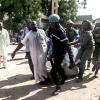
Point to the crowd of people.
(55, 45)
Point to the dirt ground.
(15, 83)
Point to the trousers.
(84, 54)
(30, 62)
(57, 71)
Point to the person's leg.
(94, 61)
(57, 72)
(96, 71)
(95, 58)
(60, 69)
(79, 55)
(4, 61)
(30, 63)
(88, 63)
(55, 77)
(86, 55)
(26, 55)
(98, 65)
(78, 61)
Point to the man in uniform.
(60, 46)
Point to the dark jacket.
(60, 42)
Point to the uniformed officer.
(96, 54)
(60, 46)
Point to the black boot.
(57, 90)
(79, 80)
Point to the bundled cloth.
(66, 63)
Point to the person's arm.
(70, 54)
(74, 42)
(69, 51)
(20, 45)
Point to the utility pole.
(54, 6)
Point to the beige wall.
(54, 6)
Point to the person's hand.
(13, 55)
(77, 45)
(72, 65)
(48, 57)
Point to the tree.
(46, 7)
(67, 10)
(19, 10)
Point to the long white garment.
(4, 42)
(38, 51)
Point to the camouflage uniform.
(96, 54)
(86, 50)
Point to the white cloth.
(66, 63)
(4, 42)
(38, 51)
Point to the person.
(70, 31)
(24, 33)
(72, 35)
(96, 53)
(60, 47)
(38, 48)
(4, 43)
(86, 50)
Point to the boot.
(57, 90)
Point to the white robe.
(38, 51)
(4, 42)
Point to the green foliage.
(46, 7)
(19, 10)
(67, 10)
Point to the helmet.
(54, 18)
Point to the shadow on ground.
(16, 59)
(15, 80)
(24, 62)
(40, 92)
